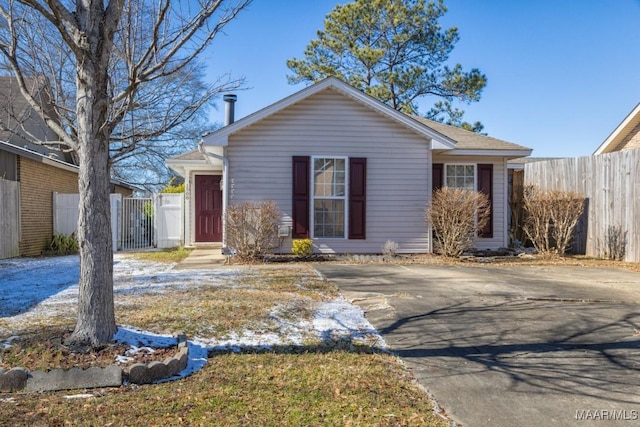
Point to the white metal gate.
(137, 223)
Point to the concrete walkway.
(203, 258)
(510, 346)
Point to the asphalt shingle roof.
(467, 140)
(190, 155)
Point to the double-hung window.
(461, 176)
(329, 196)
(473, 177)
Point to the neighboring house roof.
(38, 157)
(20, 124)
(51, 161)
(619, 137)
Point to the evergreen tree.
(396, 51)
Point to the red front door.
(208, 209)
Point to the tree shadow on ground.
(585, 349)
(26, 282)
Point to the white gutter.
(225, 186)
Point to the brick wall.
(38, 182)
(123, 191)
(632, 140)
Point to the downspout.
(225, 186)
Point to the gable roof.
(439, 141)
(471, 143)
(613, 141)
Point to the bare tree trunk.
(158, 43)
(96, 315)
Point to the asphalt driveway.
(510, 346)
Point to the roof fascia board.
(38, 157)
(613, 139)
(52, 162)
(493, 153)
(221, 136)
(186, 163)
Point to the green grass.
(165, 255)
(322, 388)
(316, 384)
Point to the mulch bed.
(45, 351)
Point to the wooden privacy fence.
(9, 219)
(611, 185)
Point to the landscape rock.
(13, 380)
(140, 373)
(75, 378)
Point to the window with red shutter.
(320, 198)
(357, 198)
(485, 185)
(300, 200)
(437, 176)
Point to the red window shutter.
(485, 185)
(300, 201)
(357, 198)
(437, 176)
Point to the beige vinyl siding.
(500, 206)
(330, 124)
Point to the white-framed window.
(460, 176)
(329, 196)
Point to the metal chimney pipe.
(229, 108)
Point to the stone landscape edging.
(17, 379)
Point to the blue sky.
(562, 74)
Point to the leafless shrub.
(456, 216)
(537, 224)
(552, 216)
(252, 228)
(616, 241)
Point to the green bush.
(302, 248)
(174, 188)
(63, 244)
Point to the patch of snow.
(123, 359)
(137, 338)
(35, 288)
(79, 396)
(198, 355)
